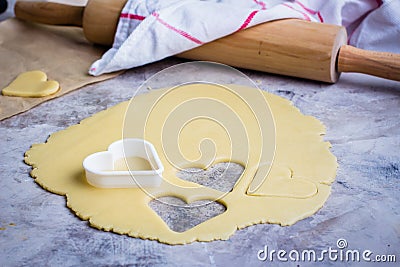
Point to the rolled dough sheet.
(296, 186)
(62, 53)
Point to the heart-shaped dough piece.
(31, 84)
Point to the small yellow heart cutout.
(31, 84)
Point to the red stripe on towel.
(132, 16)
(379, 3)
(181, 32)
(311, 11)
(261, 3)
(248, 20)
(304, 14)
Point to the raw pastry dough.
(31, 84)
(196, 126)
(132, 163)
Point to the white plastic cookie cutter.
(100, 166)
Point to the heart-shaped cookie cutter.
(100, 166)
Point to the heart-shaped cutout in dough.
(181, 216)
(221, 176)
(31, 84)
(280, 182)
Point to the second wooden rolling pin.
(291, 47)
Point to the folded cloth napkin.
(150, 30)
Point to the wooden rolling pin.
(289, 47)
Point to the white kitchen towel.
(150, 30)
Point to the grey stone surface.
(362, 116)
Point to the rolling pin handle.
(380, 64)
(49, 13)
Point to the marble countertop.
(362, 116)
